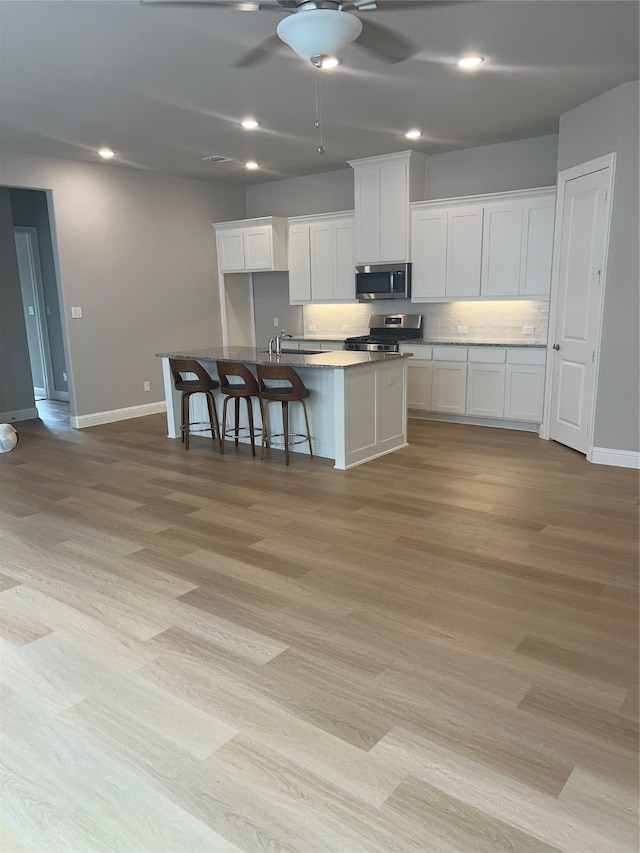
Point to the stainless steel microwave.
(383, 281)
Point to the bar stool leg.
(265, 415)
(223, 429)
(306, 420)
(250, 419)
(213, 418)
(236, 408)
(285, 429)
(186, 418)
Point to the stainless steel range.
(386, 332)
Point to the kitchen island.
(357, 404)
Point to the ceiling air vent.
(217, 158)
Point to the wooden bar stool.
(203, 384)
(244, 389)
(289, 389)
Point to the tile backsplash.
(490, 321)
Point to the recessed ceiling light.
(251, 164)
(470, 61)
(321, 60)
(250, 123)
(413, 134)
(106, 153)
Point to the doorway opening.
(39, 291)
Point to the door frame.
(40, 308)
(607, 161)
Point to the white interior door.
(582, 253)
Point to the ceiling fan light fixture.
(319, 32)
(249, 123)
(320, 60)
(106, 153)
(251, 164)
(414, 133)
(471, 61)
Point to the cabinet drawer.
(425, 353)
(526, 356)
(449, 353)
(488, 355)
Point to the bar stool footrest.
(300, 437)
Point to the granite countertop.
(458, 342)
(331, 360)
(476, 342)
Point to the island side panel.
(375, 419)
(172, 398)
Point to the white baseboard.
(19, 415)
(113, 415)
(619, 458)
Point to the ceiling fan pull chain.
(319, 111)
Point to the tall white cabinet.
(383, 189)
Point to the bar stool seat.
(244, 388)
(202, 384)
(289, 389)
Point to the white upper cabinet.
(321, 258)
(383, 188)
(252, 245)
(492, 247)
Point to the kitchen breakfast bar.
(357, 404)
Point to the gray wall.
(270, 300)
(605, 124)
(29, 208)
(324, 193)
(517, 165)
(16, 386)
(137, 252)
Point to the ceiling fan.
(319, 30)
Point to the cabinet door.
(524, 392)
(322, 260)
(449, 387)
(345, 274)
(485, 390)
(464, 251)
(419, 377)
(394, 211)
(257, 248)
(429, 254)
(367, 206)
(231, 250)
(501, 249)
(537, 246)
(299, 264)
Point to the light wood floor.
(435, 652)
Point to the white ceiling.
(158, 84)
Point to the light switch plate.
(462, 330)
(528, 330)
(76, 313)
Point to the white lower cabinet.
(485, 390)
(524, 385)
(419, 379)
(486, 382)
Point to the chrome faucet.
(278, 342)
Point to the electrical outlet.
(147, 385)
(276, 322)
(76, 313)
(528, 330)
(64, 377)
(461, 330)
(346, 327)
(313, 327)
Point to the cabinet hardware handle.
(556, 346)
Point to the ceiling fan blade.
(237, 5)
(259, 53)
(385, 43)
(394, 5)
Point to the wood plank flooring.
(436, 652)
